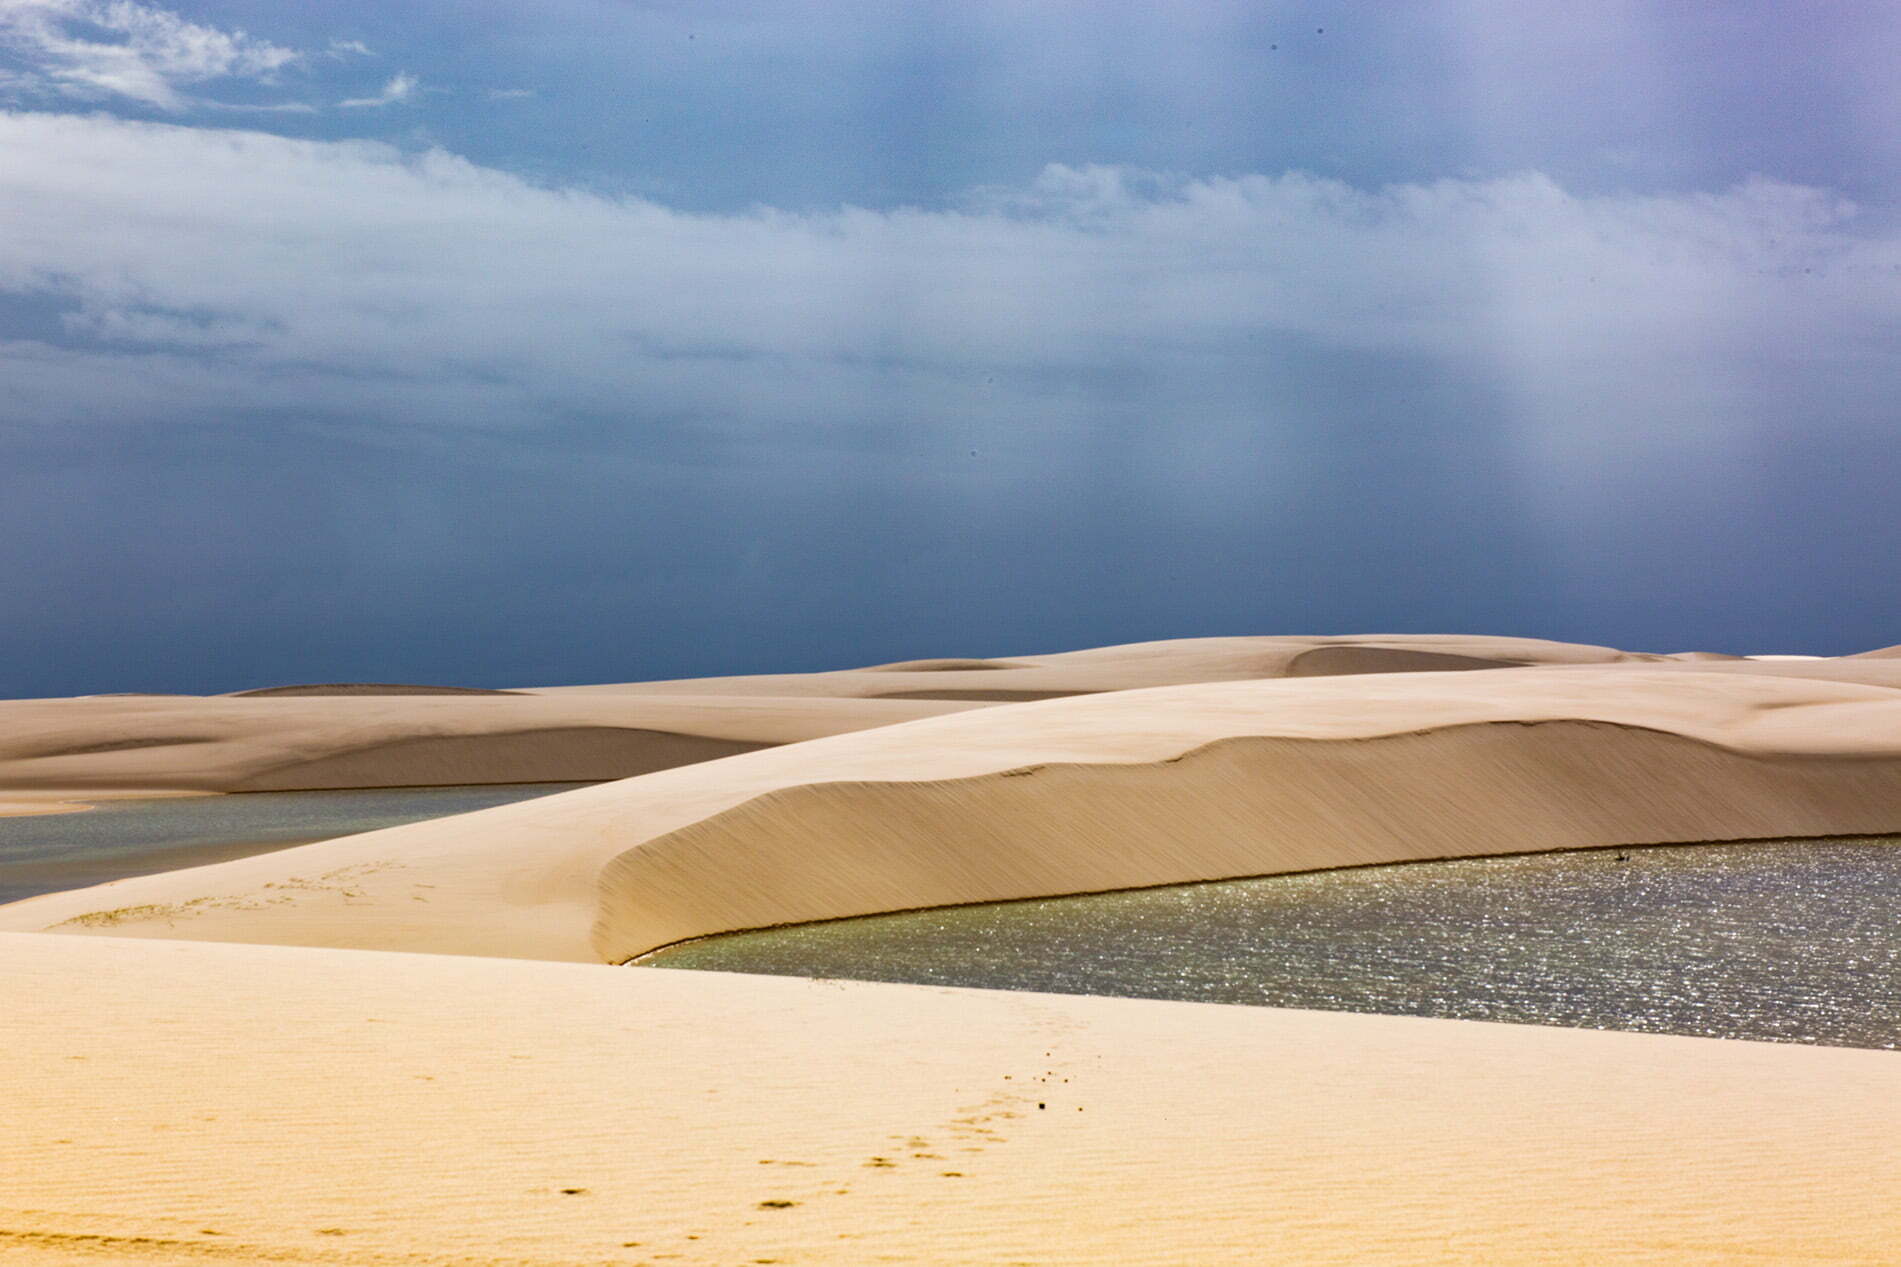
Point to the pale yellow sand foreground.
(1098, 792)
(186, 1103)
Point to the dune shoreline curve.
(1119, 790)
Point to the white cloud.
(400, 88)
(154, 55)
(350, 48)
(214, 272)
(510, 94)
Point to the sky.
(596, 340)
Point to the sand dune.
(1174, 662)
(152, 744)
(369, 734)
(172, 1102)
(1097, 792)
(364, 688)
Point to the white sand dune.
(182, 743)
(1174, 662)
(371, 734)
(186, 1103)
(1099, 792)
(363, 688)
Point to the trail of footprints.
(960, 1142)
(957, 1145)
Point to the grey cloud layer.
(280, 407)
(222, 267)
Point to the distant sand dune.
(1133, 666)
(153, 744)
(365, 688)
(369, 734)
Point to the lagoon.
(48, 852)
(1794, 941)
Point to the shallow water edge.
(119, 838)
(1791, 941)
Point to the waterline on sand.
(46, 853)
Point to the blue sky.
(588, 341)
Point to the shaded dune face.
(577, 754)
(1342, 661)
(1235, 807)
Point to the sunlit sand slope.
(174, 743)
(188, 1103)
(1107, 791)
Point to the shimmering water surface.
(44, 853)
(1794, 941)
